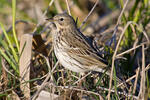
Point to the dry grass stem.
(127, 51)
(84, 21)
(121, 93)
(58, 7)
(119, 18)
(68, 7)
(142, 83)
(76, 89)
(114, 56)
(136, 79)
(82, 78)
(4, 66)
(134, 76)
(115, 53)
(44, 82)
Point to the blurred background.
(32, 12)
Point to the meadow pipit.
(72, 48)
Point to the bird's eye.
(61, 19)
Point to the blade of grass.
(100, 79)
(133, 10)
(13, 23)
(146, 2)
(136, 18)
(6, 48)
(9, 42)
(8, 60)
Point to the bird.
(73, 49)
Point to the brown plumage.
(72, 48)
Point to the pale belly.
(66, 61)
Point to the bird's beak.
(50, 19)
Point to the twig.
(54, 67)
(88, 14)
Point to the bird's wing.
(81, 51)
(84, 58)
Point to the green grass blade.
(6, 48)
(8, 60)
(9, 42)
(13, 23)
